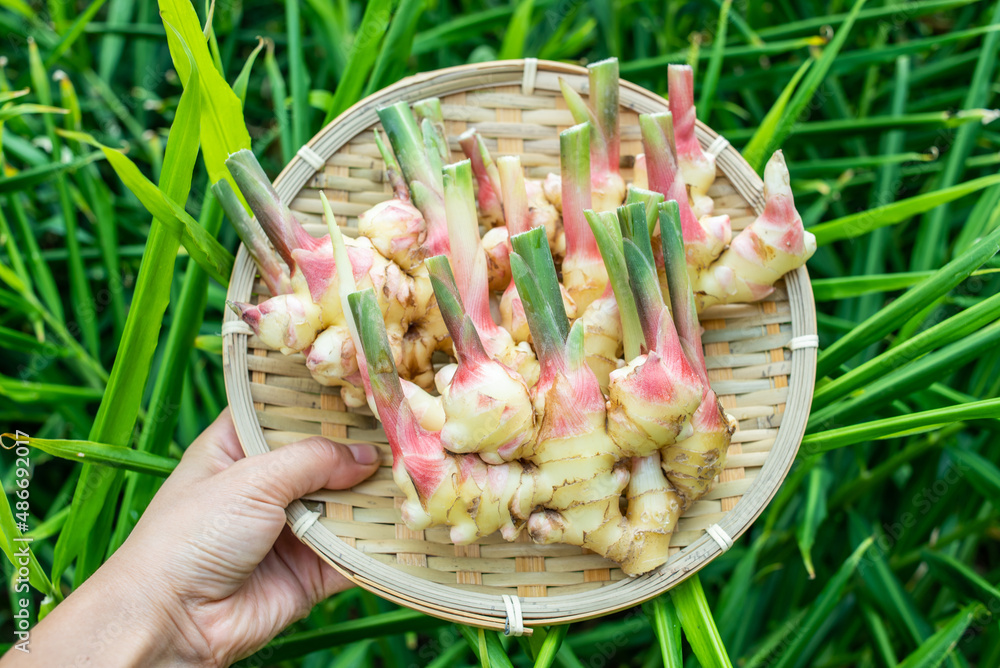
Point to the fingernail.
(364, 453)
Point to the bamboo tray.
(518, 108)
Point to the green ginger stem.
(538, 286)
(468, 344)
(679, 286)
(422, 170)
(609, 239)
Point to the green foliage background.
(881, 547)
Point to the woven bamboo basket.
(516, 105)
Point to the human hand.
(211, 569)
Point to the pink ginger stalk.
(697, 167)
(519, 220)
(584, 274)
(280, 225)
(487, 177)
(767, 249)
(607, 184)
(693, 463)
(310, 263)
(440, 487)
(577, 485)
(469, 263)
(705, 239)
(420, 158)
(274, 275)
(651, 399)
(487, 406)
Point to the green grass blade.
(928, 120)
(186, 318)
(120, 13)
(812, 514)
(912, 377)
(812, 24)
(70, 36)
(463, 24)
(893, 600)
(967, 323)
(243, 80)
(201, 246)
(278, 94)
(940, 645)
(222, 128)
(364, 50)
(29, 178)
(515, 37)
(863, 222)
(667, 628)
(298, 75)
(81, 299)
(820, 609)
(699, 627)
(930, 245)
(495, 655)
(15, 546)
(755, 150)
(294, 645)
(41, 273)
(398, 45)
(119, 410)
(710, 82)
(115, 456)
(899, 311)
(28, 392)
(551, 646)
(880, 635)
(804, 94)
(12, 339)
(914, 423)
(984, 217)
(845, 287)
(958, 576)
(982, 474)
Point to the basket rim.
(473, 607)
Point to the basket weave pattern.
(518, 109)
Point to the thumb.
(294, 470)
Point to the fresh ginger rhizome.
(583, 414)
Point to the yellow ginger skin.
(767, 249)
(397, 230)
(488, 410)
(602, 339)
(650, 401)
(331, 359)
(427, 408)
(691, 464)
(287, 322)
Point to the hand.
(211, 570)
